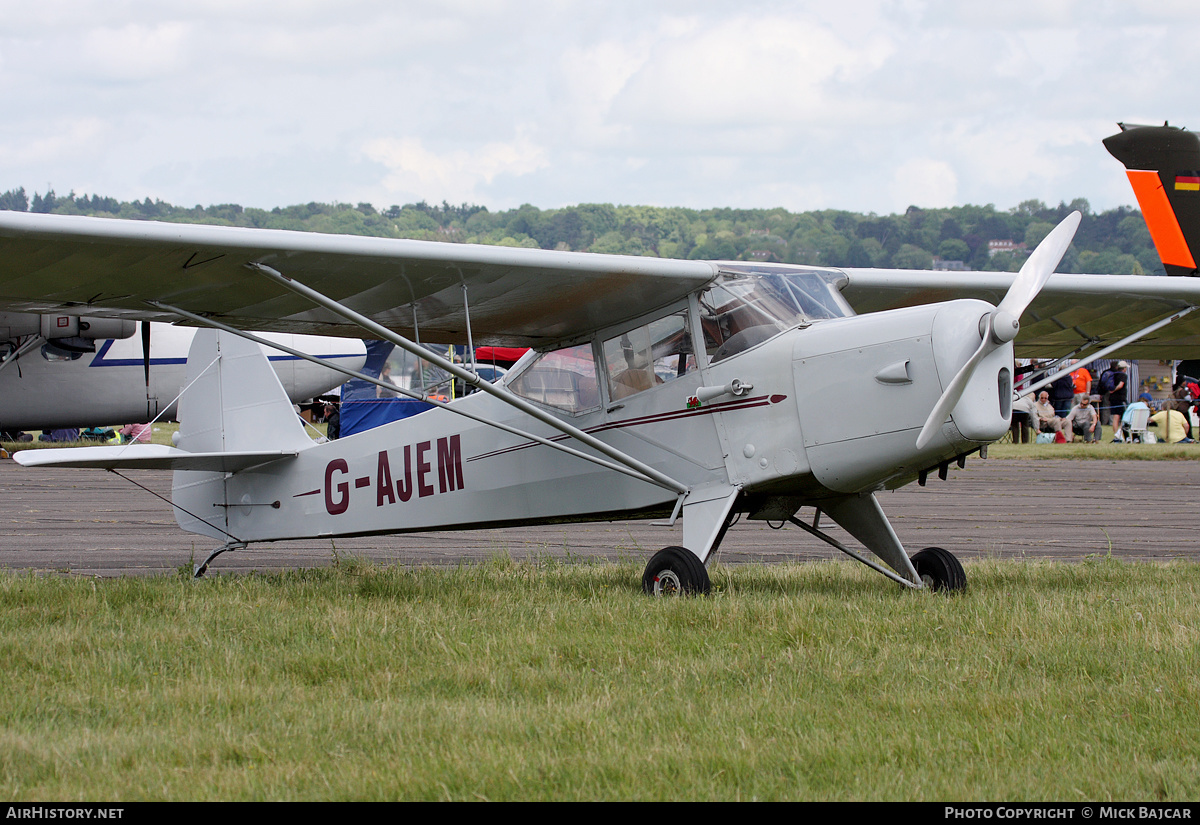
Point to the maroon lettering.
(449, 456)
(339, 506)
(389, 488)
(383, 481)
(404, 486)
(424, 488)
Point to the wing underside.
(517, 297)
(1070, 311)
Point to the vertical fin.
(236, 401)
(1160, 219)
(233, 402)
(1163, 165)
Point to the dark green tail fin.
(1163, 165)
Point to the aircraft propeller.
(1002, 324)
(146, 363)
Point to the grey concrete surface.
(90, 522)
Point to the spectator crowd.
(1078, 406)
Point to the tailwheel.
(939, 570)
(675, 571)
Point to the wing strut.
(33, 342)
(200, 319)
(830, 540)
(1129, 339)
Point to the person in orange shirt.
(1082, 379)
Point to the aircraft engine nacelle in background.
(68, 331)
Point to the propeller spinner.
(1002, 324)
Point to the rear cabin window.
(565, 379)
(654, 354)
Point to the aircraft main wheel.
(675, 571)
(939, 570)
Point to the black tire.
(939, 570)
(675, 571)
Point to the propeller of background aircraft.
(1002, 324)
(146, 364)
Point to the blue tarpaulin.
(362, 408)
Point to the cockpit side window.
(733, 321)
(653, 354)
(565, 379)
(744, 308)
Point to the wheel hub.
(667, 583)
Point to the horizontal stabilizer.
(148, 457)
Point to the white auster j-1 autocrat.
(671, 389)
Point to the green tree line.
(1115, 241)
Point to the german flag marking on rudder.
(1187, 181)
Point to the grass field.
(1100, 451)
(514, 681)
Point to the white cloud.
(924, 182)
(748, 69)
(68, 137)
(416, 172)
(864, 104)
(135, 52)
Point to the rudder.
(1163, 166)
(233, 402)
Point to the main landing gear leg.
(233, 545)
(863, 518)
(680, 571)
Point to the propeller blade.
(1002, 322)
(146, 364)
(146, 351)
(1039, 267)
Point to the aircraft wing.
(1069, 311)
(517, 297)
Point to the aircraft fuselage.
(833, 410)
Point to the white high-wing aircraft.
(659, 388)
(109, 378)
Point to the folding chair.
(1137, 425)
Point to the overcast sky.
(867, 105)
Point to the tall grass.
(546, 681)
